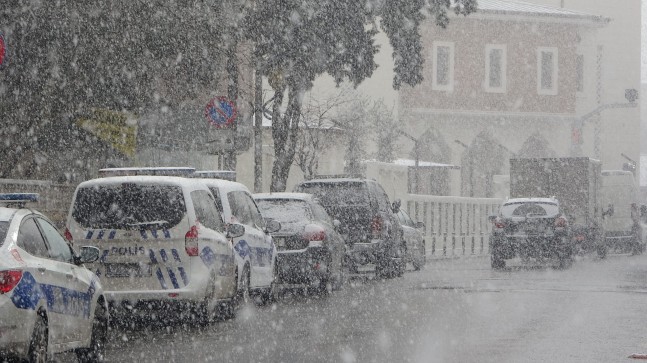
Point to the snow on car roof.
(296, 196)
(531, 200)
(150, 179)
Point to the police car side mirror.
(88, 254)
(272, 226)
(420, 225)
(235, 230)
(395, 206)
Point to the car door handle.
(41, 269)
(69, 276)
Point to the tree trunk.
(285, 134)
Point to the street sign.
(220, 112)
(3, 49)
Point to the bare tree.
(317, 130)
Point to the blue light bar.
(164, 171)
(18, 197)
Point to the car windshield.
(338, 194)
(129, 206)
(286, 211)
(529, 209)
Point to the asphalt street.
(455, 310)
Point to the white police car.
(255, 250)
(164, 248)
(49, 302)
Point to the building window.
(443, 66)
(495, 68)
(547, 71)
(579, 69)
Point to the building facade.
(521, 80)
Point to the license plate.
(127, 270)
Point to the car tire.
(39, 341)
(97, 349)
(496, 261)
(602, 250)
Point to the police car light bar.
(19, 199)
(216, 174)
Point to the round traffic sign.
(3, 49)
(220, 112)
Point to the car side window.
(205, 210)
(240, 211)
(382, 199)
(407, 220)
(256, 216)
(59, 250)
(218, 200)
(320, 213)
(31, 240)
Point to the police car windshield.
(129, 206)
(4, 225)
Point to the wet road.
(453, 311)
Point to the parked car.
(255, 251)
(368, 223)
(414, 240)
(309, 248)
(49, 302)
(163, 245)
(531, 228)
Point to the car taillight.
(9, 279)
(191, 241)
(68, 236)
(499, 224)
(314, 235)
(560, 222)
(376, 226)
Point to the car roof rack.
(17, 200)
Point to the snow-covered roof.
(325, 124)
(530, 9)
(411, 162)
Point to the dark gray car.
(309, 249)
(530, 228)
(368, 223)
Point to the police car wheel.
(38, 342)
(96, 351)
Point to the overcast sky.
(644, 40)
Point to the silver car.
(310, 251)
(414, 240)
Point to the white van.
(619, 200)
(255, 250)
(162, 240)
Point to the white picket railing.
(454, 226)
